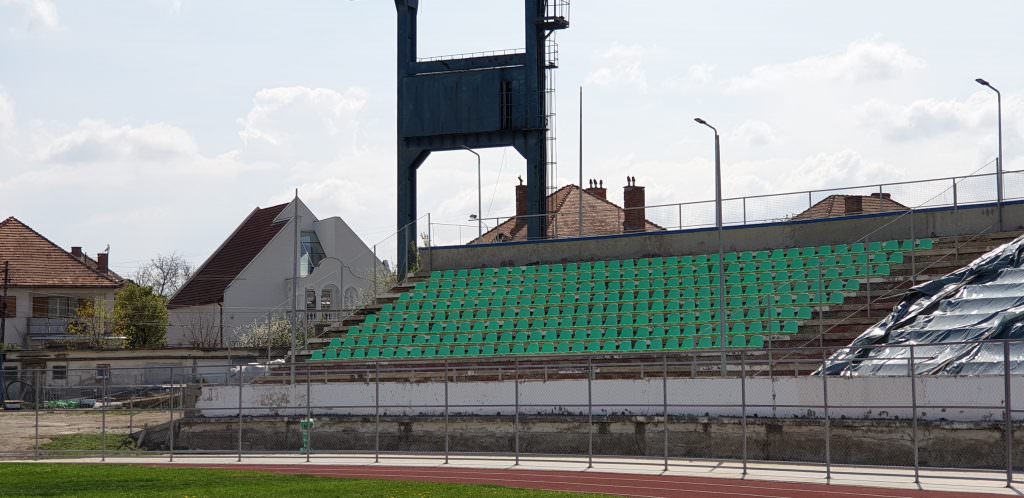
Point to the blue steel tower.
(499, 99)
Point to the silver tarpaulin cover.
(983, 301)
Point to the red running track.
(638, 485)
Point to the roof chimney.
(102, 262)
(76, 251)
(597, 189)
(881, 195)
(853, 204)
(634, 218)
(521, 203)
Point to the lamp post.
(479, 195)
(722, 337)
(999, 160)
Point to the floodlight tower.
(497, 99)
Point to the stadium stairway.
(853, 297)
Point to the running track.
(638, 485)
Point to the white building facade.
(248, 280)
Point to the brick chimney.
(634, 218)
(881, 195)
(596, 189)
(853, 204)
(76, 251)
(521, 204)
(102, 262)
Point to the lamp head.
(982, 82)
(701, 121)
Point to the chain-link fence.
(579, 407)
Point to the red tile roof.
(208, 283)
(35, 261)
(600, 217)
(835, 205)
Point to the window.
(326, 295)
(10, 372)
(8, 306)
(60, 372)
(310, 299)
(54, 306)
(312, 253)
(103, 371)
(62, 307)
(351, 298)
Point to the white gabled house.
(249, 277)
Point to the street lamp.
(722, 337)
(999, 160)
(479, 195)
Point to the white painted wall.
(264, 286)
(781, 397)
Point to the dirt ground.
(18, 428)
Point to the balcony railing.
(48, 329)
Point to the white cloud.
(40, 13)
(6, 115)
(621, 65)
(95, 140)
(303, 124)
(928, 118)
(756, 133)
(863, 60)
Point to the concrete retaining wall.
(935, 222)
(784, 397)
(889, 442)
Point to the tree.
(202, 329)
(165, 273)
(140, 316)
(94, 322)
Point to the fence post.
(744, 210)
(37, 403)
(954, 194)
(743, 405)
(105, 387)
(680, 205)
(376, 413)
(821, 311)
(446, 411)
(1008, 413)
(664, 403)
(590, 414)
(913, 406)
(309, 409)
(515, 424)
(913, 251)
(828, 428)
(131, 409)
(867, 284)
(170, 425)
(240, 385)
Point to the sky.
(156, 126)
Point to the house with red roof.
(600, 216)
(46, 285)
(248, 279)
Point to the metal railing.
(954, 192)
(660, 409)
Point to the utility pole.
(295, 282)
(3, 333)
(581, 164)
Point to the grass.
(89, 442)
(80, 480)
